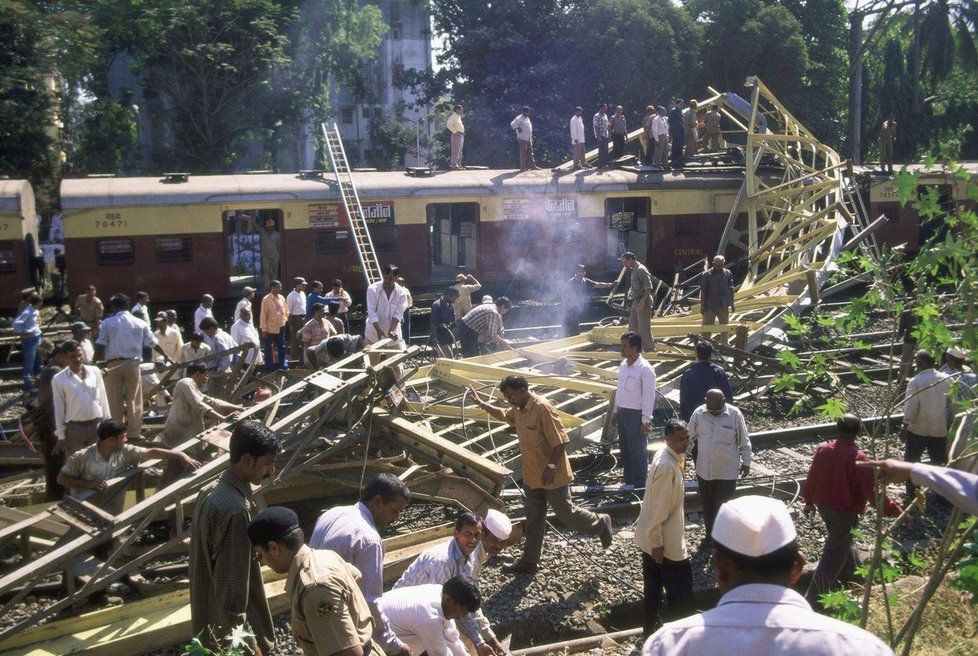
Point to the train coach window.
(623, 213)
(333, 242)
(114, 251)
(174, 249)
(8, 258)
(384, 238)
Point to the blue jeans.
(634, 447)
(31, 362)
(278, 341)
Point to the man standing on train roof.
(386, 303)
(296, 301)
(677, 133)
(121, 343)
(204, 310)
(524, 137)
(457, 130)
(640, 298)
(717, 297)
(274, 316)
(271, 252)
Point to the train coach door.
(628, 229)
(246, 245)
(453, 234)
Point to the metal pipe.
(880, 221)
(577, 643)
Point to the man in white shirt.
(386, 302)
(169, 337)
(634, 404)
(756, 561)
(660, 529)
(577, 138)
(248, 295)
(195, 348)
(244, 331)
(925, 414)
(204, 310)
(524, 137)
(80, 402)
(296, 302)
(218, 369)
(723, 449)
(660, 131)
(457, 129)
(423, 616)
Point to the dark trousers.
(678, 145)
(676, 576)
(276, 341)
(52, 463)
(602, 151)
(714, 493)
(469, 340)
(839, 556)
(634, 446)
(617, 145)
(572, 323)
(570, 515)
(936, 450)
(31, 362)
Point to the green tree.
(751, 37)
(391, 141)
(27, 106)
(106, 133)
(214, 64)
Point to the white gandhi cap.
(498, 524)
(957, 352)
(753, 526)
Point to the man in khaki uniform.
(329, 613)
(89, 308)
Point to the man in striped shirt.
(455, 557)
(483, 324)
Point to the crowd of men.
(88, 414)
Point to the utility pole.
(856, 86)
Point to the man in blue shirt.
(27, 326)
(700, 378)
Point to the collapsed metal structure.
(789, 223)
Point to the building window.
(174, 249)
(396, 31)
(346, 115)
(114, 251)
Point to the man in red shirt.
(840, 492)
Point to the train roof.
(99, 192)
(83, 193)
(13, 194)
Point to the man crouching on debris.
(354, 533)
(226, 589)
(330, 616)
(546, 469)
(93, 467)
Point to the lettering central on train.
(548, 207)
(333, 216)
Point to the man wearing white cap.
(247, 296)
(756, 560)
(456, 557)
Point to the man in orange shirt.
(546, 469)
(274, 317)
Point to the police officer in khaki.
(329, 613)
